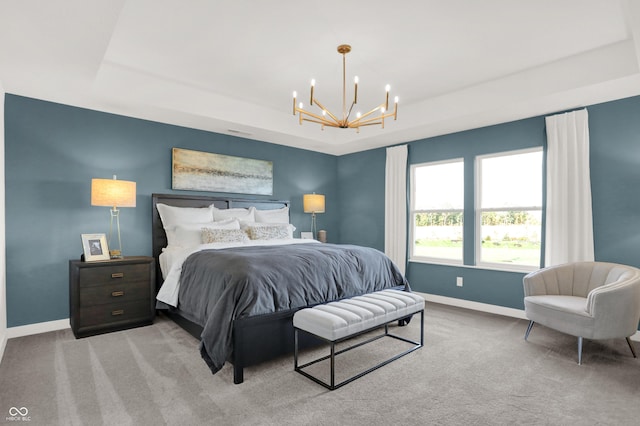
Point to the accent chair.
(593, 300)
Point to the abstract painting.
(203, 171)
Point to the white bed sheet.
(172, 258)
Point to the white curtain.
(395, 209)
(569, 221)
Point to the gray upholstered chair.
(593, 300)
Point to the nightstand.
(111, 295)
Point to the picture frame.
(206, 171)
(94, 247)
(306, 235)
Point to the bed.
(257, 330)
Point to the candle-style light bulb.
(395, 108)
(355, 90)
(386, 102)
(313, 84)
(295, 95)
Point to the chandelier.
(326, 118)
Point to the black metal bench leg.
(333, 366)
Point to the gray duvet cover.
(220, 286)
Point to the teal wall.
(614, 129)
(615, 173)
(361, 197)
(52, 152)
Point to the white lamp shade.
(313, 203)
(113, 193)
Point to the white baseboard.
(41, 327)
(485, 307)
(476, 306)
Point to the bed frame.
(255, 339)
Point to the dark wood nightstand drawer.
(114, 293)
(110, 296)
(104, 315)
(113, 273)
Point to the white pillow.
(243, 215)
(190, 234)
(173, 216)
(268, 231)
(224, 236)
(273, 216)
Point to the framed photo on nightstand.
(94, 247)
(306, 235)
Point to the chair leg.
(579, 350)
(633, 351)
(526, 334)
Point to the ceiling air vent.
(238, 132)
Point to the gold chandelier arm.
(324, 123)
(360, 119)
(393, 114)
(371, 121)
(349, 113)
(321, 119)
(328, 112)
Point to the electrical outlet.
(459, 281)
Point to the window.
(437, 205)
(509, 209)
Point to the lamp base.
(115, 253)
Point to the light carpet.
(475, 369)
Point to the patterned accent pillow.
(210, 235)
(275, 231)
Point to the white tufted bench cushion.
(336, 320)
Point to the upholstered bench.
(338, 321)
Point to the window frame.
(478, 211)
(412, 213)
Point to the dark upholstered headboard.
(159, 237)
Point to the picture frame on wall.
(206, 171)
(94, 247)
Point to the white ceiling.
(231, 67)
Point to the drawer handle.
(118, 312)
(117, 293)
(117, 275)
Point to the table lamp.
(113, 193)
(313, 203)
